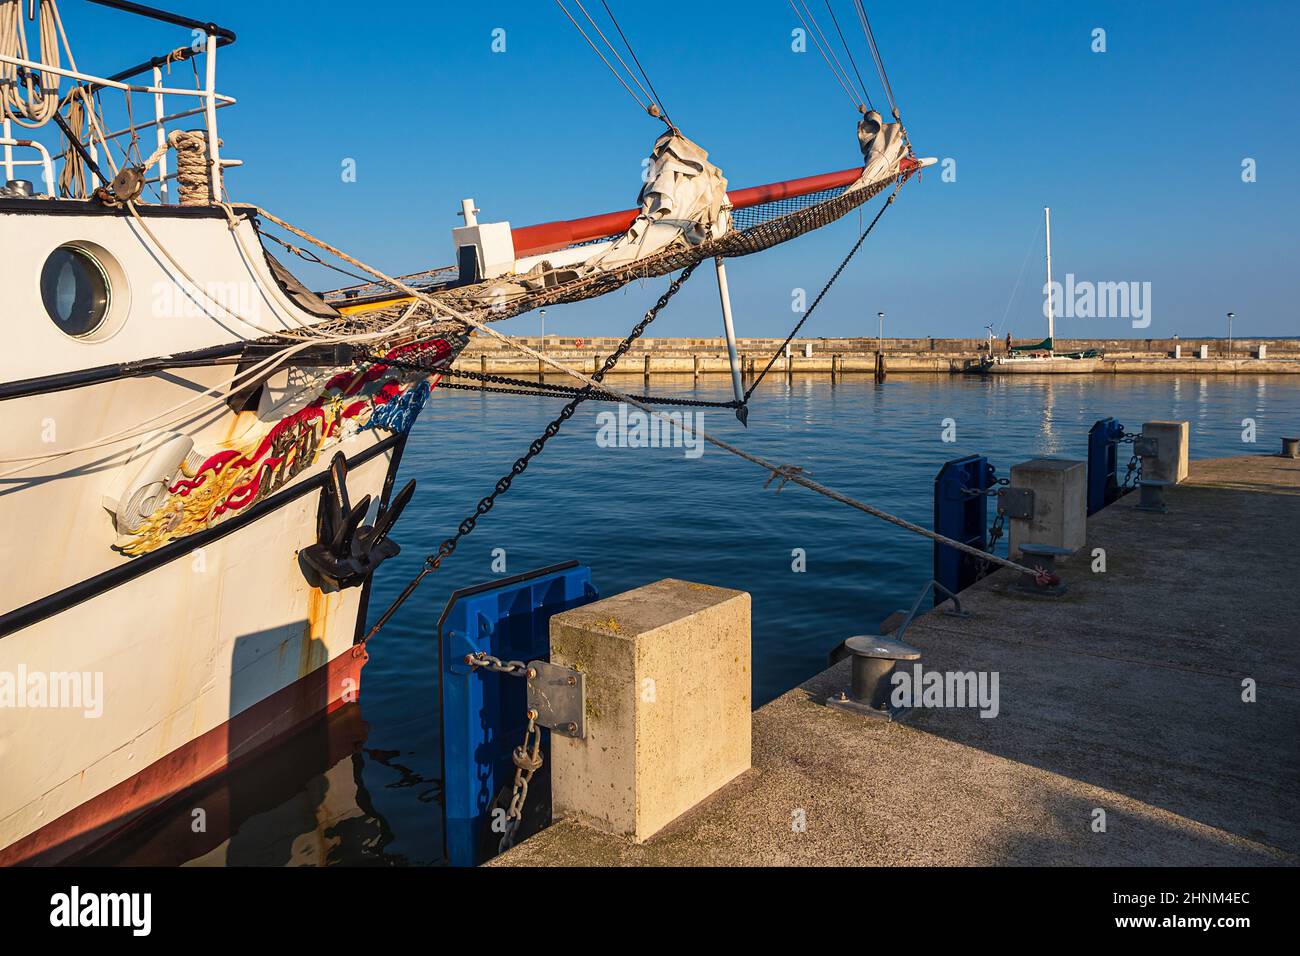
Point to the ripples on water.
(637, 515)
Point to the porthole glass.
(76, 292)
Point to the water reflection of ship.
(302, 804)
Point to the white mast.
(1051, 306)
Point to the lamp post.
(880, 349)
(1231, 316)
(542, 315)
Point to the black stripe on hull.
(74, 594)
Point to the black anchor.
(347, 552)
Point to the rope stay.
(658, 100)
(849, 53)
(826, 288)
(841, 79)
(875, 55)
(650, 104)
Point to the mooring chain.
(523, 386)
(527, 758)
(999, 520)
(1133, 474)
(485, 661)
(552, 428)
(448, 547)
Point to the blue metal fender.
(1103, 463)
(483, 717)
(961, 512)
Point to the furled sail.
(684, 201)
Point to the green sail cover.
(1043, 346)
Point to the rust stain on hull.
(312, 651)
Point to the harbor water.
(362, 787)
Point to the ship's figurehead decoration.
(174, 489)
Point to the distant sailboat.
(1041, 356)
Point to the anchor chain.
(448, 547)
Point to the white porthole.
(84, 291)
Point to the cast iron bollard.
(1290, 448)
(873, 663)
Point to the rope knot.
(1044, 578)
(784, 473)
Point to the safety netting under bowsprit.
(767, 225)
(747, 218)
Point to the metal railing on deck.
(208, 38)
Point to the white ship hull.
(200, 639)
(1054, 365)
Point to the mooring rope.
(786, 472)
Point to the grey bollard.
(1290, 448)
(873, 660)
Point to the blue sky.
(1138, 150)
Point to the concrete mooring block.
(669, 696)
(1060, 507)
(1170, 461)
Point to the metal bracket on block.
(1146, 447)
(1016, 502)
(559, 696)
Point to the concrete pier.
(857, 356)
(1148, 716)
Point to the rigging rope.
(843, 80)
(646, 76)
(648, 107)
(826, 288)
(849, 53)
(875, 55)
(1019, 275)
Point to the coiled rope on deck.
(193, 172)
(31, 104)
